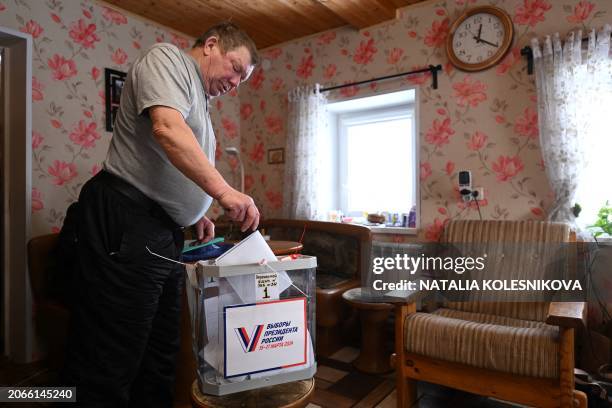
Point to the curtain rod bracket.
(527, 52)
(434, 75)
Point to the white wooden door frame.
(17, 172)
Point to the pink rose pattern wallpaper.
(485, 122)
(73, 41)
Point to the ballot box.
(252, 325)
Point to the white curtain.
(307, 123)
(572, 84)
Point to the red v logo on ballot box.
(249, 344)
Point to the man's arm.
(178, 141)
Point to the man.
(158, 177)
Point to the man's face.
(224, 72)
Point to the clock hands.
(489, 43)
(480, 40)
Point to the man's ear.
(209, 44)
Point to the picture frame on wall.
(276, 156)
(113, 86)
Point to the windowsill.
(604, 241)
(394, 230)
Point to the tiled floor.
(338, 385)
(21, 375)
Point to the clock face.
(478, 38)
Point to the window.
(374, 154)
(593, 191)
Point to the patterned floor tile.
(346, 354)
(356, 385)
(329, 374)
(322, 384)
(327, 399)
(389, 402)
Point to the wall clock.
(479, 38)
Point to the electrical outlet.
(480, 191)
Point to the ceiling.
(268, 22)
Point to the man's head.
(227, 56)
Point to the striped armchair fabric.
(504, 336)
(499, 343)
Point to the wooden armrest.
(567, 314)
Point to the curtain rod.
(527, 52)
(433, 69)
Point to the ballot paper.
(251, 250)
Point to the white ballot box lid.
(210, 269)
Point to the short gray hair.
(230, 37)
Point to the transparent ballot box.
(252, 325)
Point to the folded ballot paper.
(251, 250)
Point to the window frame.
(339, 141)
(362, 117)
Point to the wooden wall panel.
(269, 22)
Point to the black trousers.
(126, 303)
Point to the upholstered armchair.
(342, 252)
(520, 352)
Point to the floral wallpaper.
(73, 41)
(485, 122)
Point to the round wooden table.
(290, 395)
(373, 357)
(285, 247)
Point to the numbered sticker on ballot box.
(266, 286)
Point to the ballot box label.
(264, 336)
(266, 286)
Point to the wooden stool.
(290, 395)
(373, 357)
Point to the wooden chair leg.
(566, 351)
(406, 391)
(406, 388)
(580, 399)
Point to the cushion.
(517, 249)
(515, 346)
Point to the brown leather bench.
(342, 252)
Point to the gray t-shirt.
(163, 75)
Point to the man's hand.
(241, 208)
(205, 230)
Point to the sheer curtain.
(573, 87)
(307, 125)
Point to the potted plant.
(603, 225)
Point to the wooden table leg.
(374, 357)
